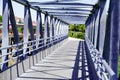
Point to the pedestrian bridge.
(47, 53)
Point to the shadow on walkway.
(67, 63)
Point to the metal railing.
(103, 70)
(33, 47)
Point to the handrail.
(108, 68)
(102, 68)
(41, 42)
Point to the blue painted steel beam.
(15, 31)
(52, 24)
(70, 19)
(66, 11)
(56, 13)
(46, 33)
(66, 1)
(92, 27)
(76, 22)
(79, 8)
(26, 3)
(38, 35)
(64, 7)
(61, 1)
(61, 9)
(72, 15)
(41, 26)
(61, 4)
(25, 31)
(96, 26)
(114, 23)
(13, 24)
(102, 25)
(5, 34)
(51, 28)
(30, 27)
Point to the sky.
(0, 7)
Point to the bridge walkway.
(68, 62)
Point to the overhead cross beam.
(69, 13)
(60, 4)
(71, 7)
(72, 19)
(43, 5)
(83, 12)
(68, 8)
(65, 9)
(74, 22)
(58, 8)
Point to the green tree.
(0, 18)
(77, 31)
(72, 27)
(71, 33)
(82, 28)
(75, 35)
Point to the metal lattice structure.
(101, 37)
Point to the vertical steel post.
(61, 29)
(38, 35)
(41, 26)
(92, 27)
(25, 31)
(28, 24)
(87, 28)
(51, 28)
(106, 48)
(96, 27)
(57, 29)
(5, 35)
(46, 33)
(102, 26)
(94, 18)
(53, 23)
(114, 11)
(15, 31)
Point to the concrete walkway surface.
(68, 62)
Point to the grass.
(119, 66)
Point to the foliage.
(0, 18)
(77, 31)
(20, 29)
(80, 28)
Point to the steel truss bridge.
(51, 54)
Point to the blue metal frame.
(55, 30)
(114, 34)
(5, 38)
(102, 25)
(60, 4)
